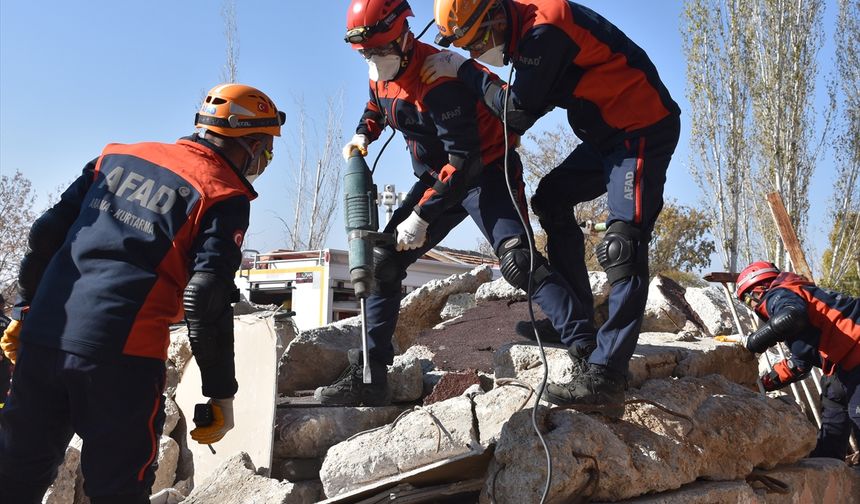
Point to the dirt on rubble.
(469, 342)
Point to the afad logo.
(238, 237)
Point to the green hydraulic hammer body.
(362, 225)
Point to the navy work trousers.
(489, 205)
(632, 174)
(840, 413)
(116, 407)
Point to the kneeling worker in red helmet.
(146, 230)
(821, 328)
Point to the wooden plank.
(721, 277)
(789, 237)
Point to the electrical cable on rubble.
(531, 244)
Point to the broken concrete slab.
(171, 415)
(457, 305)
(310, 432)
(421, 307)
(256, 350)
(657, 355)
(666, 310)
(703, 428)
(317, 356)
(702, 492)
(419, 438)
(712, 308)
(405, 379)
(168, 458)
(816, 480)
(494, 408)
(499, 289)
(235, 481)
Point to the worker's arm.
(785, 372)
(545, 53)
(454, 112)
(216, 256)
(788, 318)
(47, 235)
(372, 120)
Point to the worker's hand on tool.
(222, 422)
(411, 233)
(9, 341)
(442, 64)
(770, 381)
(358, 142)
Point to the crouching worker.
(146, 230)
(458, 155)
(821, 328)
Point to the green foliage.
(681, 240)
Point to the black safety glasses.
(360, 34)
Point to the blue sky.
(75, 76)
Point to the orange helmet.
(459, 21)
(756, 277)
(235, 110)
(372, 23)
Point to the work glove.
(740, 339)
(9, 341)
(441, 64)
(785, 372)
(222, 422)
(411, 233)
(359, 142)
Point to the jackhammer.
(362, 225)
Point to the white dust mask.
(383, 68)
(494, 56)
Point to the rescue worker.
(458, 151)
(566, 55)
(821, 328)
(146, 230)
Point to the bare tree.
(17, 200)
(230, 72)
(314, 193)
(842, 260)
(715, 41)
(785, 37)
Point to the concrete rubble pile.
(695, 429)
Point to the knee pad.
(387, 272)
(618, 252)
(514, 263)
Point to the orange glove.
(222, 422)
(9, 341)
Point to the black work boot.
(579, 355)
(350, 390)
(599, 390)
(545, 330)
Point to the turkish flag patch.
(238, 237)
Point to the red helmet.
(372, 23)
(758, 275)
